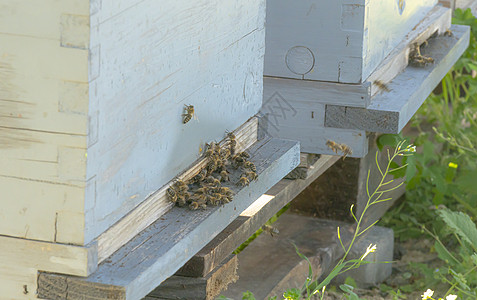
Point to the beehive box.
(328, 114)
(92, 95)
(340, 41)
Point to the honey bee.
(232, 142)
(333, 146)
(417, 59)
(212, 164)
(250, 165)
(181, 201)
(346, 150)
(381, 85)
(212, 181)
(200, 176)
(194, 205)
(270, 229)
(171, 194)
(189, 113)
(225, 191)
(243, 181)
(224, 175)
(202, 190)
(251, 175)
(244, 154)
(225, 153)
(448, 33)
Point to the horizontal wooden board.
(251, 220)
(204, 288)
(45, 256)
(159, 251)
(390, 111)
(277, 90)
(157, 204)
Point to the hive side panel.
(149, 60)
(383, 17)
(316, 40)
(43, 117)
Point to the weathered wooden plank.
(200, 288)
(277, 92)
(340, 41)
(45, 256)
(306, 162)
(390, 111)
(158, 251)
(438, 20)
(208, 54)
(157, 204)
(270, 265)
(251, 220)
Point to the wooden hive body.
(340, 41)
(92, 95)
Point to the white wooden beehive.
(92, 95)
(340, 41)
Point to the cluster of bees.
(205, 188)
(336, 147)
(417, 59)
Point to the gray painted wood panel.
(340, 41)
(158, 251)
(390, 111)
(147, 60)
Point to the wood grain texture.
(17, 282)
(280, 267)
(251, 220)
(157, 204)
(437, 21)
(390, 111)
(339, 41)
(158, 251)
(51, 257)
(201, 288)
(315, 92)
(149, 59)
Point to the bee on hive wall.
(189, 113)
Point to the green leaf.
(390, 140)
(292, 294)
(461, 224)
(248, 295)
(350, 281)
(349, 290)
(444, 254)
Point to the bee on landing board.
(243, 181)
(189, 113)
(381, 85)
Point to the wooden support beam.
(200, 288)
(157, 204)
(270, 265)
(157, 252)
(46, 256)
(390, 111)
(251, 220)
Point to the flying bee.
(189, 113)
(251, 175)
(224, 175)
(243, 181)
(333, 146)
(270, 229)
(250, 165)
(381, 85)
(346, 150)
